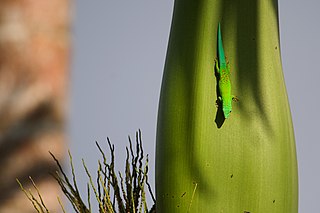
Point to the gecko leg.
(217, 65)
(218, 102)
(235, 98)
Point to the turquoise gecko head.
(226, 108)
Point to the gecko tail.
(221, 55)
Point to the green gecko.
(224, 83)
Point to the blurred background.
(34, 84)
(104, 60)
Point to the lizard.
(224, 83)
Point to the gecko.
(224, 83)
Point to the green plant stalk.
(246, 163)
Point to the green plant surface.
(204, 163)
